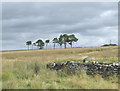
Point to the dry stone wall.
(104, 69)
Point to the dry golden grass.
(18, 68)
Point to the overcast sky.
(93, 24)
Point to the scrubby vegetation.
(27, 69)
(109, 45)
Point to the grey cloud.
(31, 21)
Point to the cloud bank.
(94, 24)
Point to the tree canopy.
(28, 43)
(40, 44)
(63, 39)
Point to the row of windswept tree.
(63, 39)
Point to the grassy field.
(18, 69)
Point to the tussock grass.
(27, 69)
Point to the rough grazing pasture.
(27, 69)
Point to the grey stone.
(103, 69)
(86, 60)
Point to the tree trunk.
(65, 45)
(54, 45)
(32, 46)
(71, 44)
(28, 47)
(60, 46)
(46, 45)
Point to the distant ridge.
(109, 45)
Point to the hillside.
(19, 68)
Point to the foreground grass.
(19, 69)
